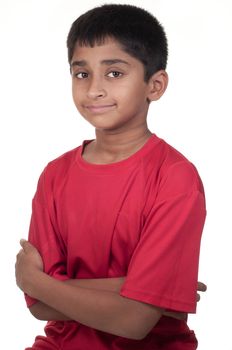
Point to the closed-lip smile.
(99, 108)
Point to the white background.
(39, 122)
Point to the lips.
(99, 109)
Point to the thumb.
(25, 244)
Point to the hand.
(28, 262)
(201, 287)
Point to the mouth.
(99, 109)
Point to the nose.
(96, 88)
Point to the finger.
(23, 242)
(177, 315)
(198, 297)
(201, 287)
(26, 245)
(19, 253)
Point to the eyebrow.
(107, 62)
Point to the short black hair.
(138, 32)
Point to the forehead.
(109, 50)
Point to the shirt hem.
(159, 301)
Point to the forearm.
(107, 284)
(103, 310)
(44, 312)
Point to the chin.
(102, 124)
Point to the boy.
(116, 223)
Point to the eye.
(81, 75)
(114, 74)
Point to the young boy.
(116, 224)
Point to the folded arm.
(99, 309)
(43, 312)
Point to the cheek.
(76, 100)
(136, 89)
(73, 92)
(132, 97)
(74, 89)
(77, 93)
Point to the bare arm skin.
(43, 312)
(101, 309)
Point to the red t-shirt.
(141, 217)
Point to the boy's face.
(108, 87)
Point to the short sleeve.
(44, 235)
(164, 267)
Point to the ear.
(157, 85)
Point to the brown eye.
(114, 74)
(81, 75)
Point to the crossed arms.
(95, 303)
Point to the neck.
(121, 144)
